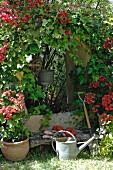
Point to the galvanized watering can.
(66, 148)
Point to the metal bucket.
(46, 77)
(65, 147)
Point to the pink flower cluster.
(14, 16)
(102, 100)
(106, 117)
(107, 101)
(95, 108)
(3, 50)
(109, 43)
(33, 4)
(16, 104)
(63, 18)
(97, 84)
(8, 112)
(102, 79)
(89, 98)
(93, 84)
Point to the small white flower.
(28, 58)
(20, 66)
(101, 136)
(104, 131)
(110, 135)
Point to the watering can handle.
(53, 145)
(68, 133)
(53, 139)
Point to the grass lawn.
(43, 158)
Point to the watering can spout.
(86, 143)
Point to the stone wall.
(66, 119)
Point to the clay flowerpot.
(46, 77)
(15, 151)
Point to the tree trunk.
(84, 55)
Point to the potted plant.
(14, 136)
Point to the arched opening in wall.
(55, 92)
(58, 94)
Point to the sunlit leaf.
(19, 75)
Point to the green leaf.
(33, 49)
(44, 22)
(1, 144)
(27, 70)
(95, 77)
(56, 35)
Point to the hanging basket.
(46, 77)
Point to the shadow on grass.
(37, 155)
(43, 153)
(43, 158)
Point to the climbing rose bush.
(34, 31)
(46, 24)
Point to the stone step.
(39, 138)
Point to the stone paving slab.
(38, 138)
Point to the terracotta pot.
(15, 151)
